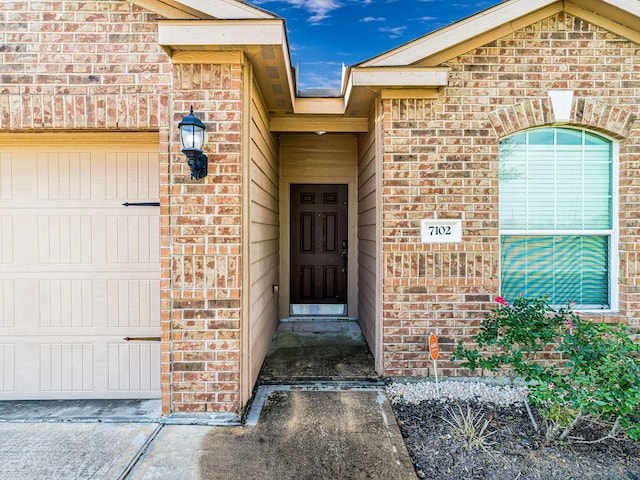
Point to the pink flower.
(501, 301)
(569, 323)
(551, 386)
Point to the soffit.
(263, 41)
(365, 84)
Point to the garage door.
(79, 271)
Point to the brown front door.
(319, 244)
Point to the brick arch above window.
(589, 113)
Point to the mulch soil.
(510, 447)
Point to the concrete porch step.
(318, 350)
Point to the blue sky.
(324, 34)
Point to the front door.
(319, 249)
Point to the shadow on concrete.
(342, 435)
(116, 411)
(318, 350)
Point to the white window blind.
(556, 215)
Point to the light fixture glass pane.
(187, 137)
(198, 138)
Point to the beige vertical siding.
(369, 238)
(264, 235)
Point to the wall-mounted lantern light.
(191, 143)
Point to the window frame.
(612, 234)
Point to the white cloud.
(373, 19)
(425, 19)
(323, 75)
(319, 9)
(393, 32)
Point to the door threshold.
(321, 309)
(316, 318)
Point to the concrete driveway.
(293, 433)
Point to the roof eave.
(619, 16)
(462, 32)
(199, 10)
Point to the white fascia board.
(398, 77)
(347, 87)
(319, 105)
(458, 32)
(221, 32)
(630, 6)
(227, 9)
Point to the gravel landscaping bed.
(501, 442)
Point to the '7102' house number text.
(441, 231)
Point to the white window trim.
(614, 256)
(613, 233)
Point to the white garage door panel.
(7, 367)
(79, 272)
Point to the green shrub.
(597, 380)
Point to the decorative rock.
(503, 395)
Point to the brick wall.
(81, 64)
(201, 248)
(441, 161)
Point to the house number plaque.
(441, 231)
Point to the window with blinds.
(556, 216)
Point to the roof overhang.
(350, 112)
(262, 41)
(202, 10)
(363, 84)
(223, 31)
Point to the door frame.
(285, 240)
(321, 258)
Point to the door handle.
(141, 204)
(344, 261)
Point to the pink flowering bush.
(601, 382)
(597, 381)
(514, 335)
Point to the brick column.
(429, 172)
(201, 249)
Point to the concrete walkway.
(301, 433)
(336, 424)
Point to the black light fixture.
(191, 143)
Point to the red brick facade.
(202, 242)
(81, 65)
(441, 161)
